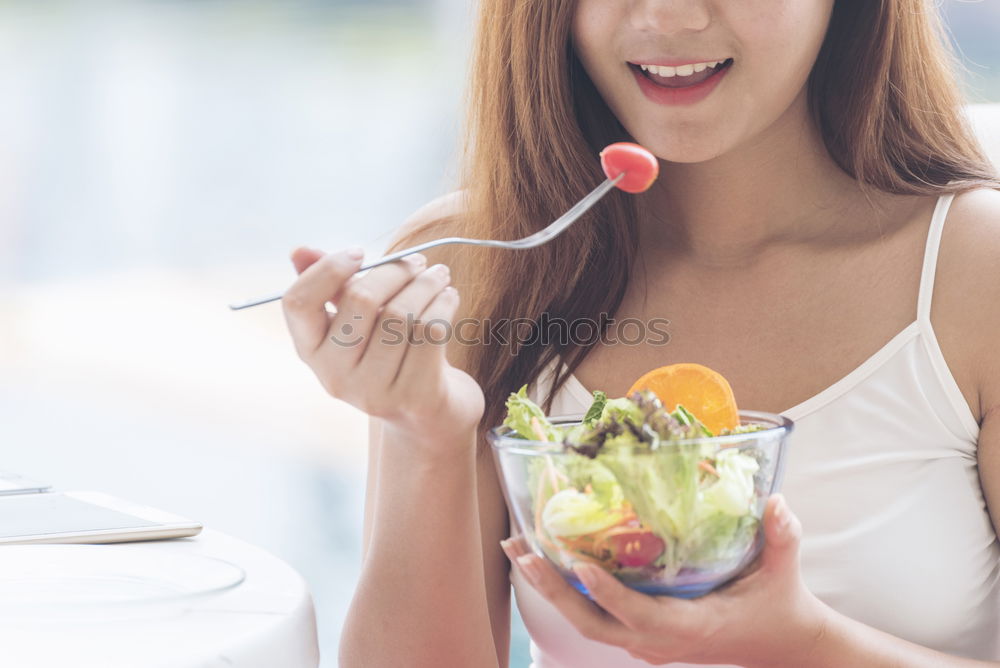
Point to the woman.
(794, 240)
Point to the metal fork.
(540, 237)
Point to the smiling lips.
(681, 76)
(683, 88)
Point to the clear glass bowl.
(700, 547)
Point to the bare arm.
(422, 597)
(434, 588)
(490, 522)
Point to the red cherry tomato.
(640, 166)
(636, 548)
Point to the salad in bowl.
(667, 496)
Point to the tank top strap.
(930, 257)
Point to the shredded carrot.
(536, 426)
(539, 506)
(554, 474)
(577, 549)
(708, 468)
(577, 542)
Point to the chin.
(692, 148)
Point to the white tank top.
(882, 472)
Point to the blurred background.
(160, 159)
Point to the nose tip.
(671, 16)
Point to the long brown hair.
(883, 92)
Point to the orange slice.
(704, 392)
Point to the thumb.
(782, 531)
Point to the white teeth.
(662, 70)
(681, 70)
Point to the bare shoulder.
(432, 218)
(972, 231)
(966, 304)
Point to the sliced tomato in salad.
(639, 547)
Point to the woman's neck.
(781, 189)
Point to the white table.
(266, 622)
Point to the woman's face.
(766, 47)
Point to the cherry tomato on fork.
(640, 166)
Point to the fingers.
(635, 610)
(392, 336)
(592, 622)
(304, 303)
(359, 304)
(431, 335)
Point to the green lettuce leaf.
(521, 410)
(574, 513)
(733, 492)
(719, 537)
(687, 419)
(698, 524)
(582, 472)
(596, 408)
(622, 410)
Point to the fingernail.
(440, 269)
(417, 259)
(505, 545)
(586, 575)
(355, 253)
(511, 542)
(527, 566)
